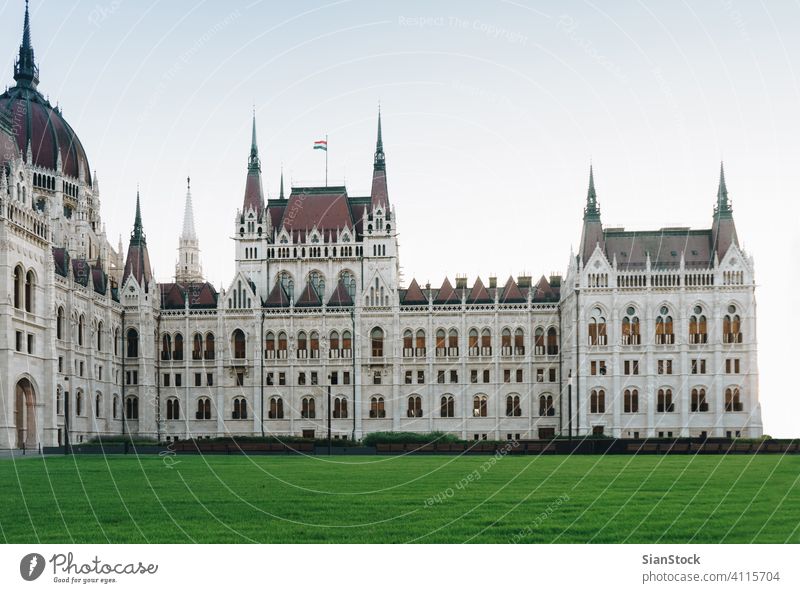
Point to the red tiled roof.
(340, 296)
(511, 293)
(446, 294)
(277, 297)
(61, 260)
(325, 209)
(479, 294)
(253, 192)
(137, 264)
(81, 271)
(413, 295)
(631, 247)
(308, 298)
(201, 295)
(379, 194)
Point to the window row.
(665, 401)
(447, 406)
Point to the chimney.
(492, 281)
(461, 281)
(555, 280)
(524, 281)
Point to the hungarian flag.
(321, 145)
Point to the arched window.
(347, 344)
(486, 342)
(239, 409)
(419, 343)
(133, 343)
(414, 407)
(597, 328)
(203, 409)
(269, 345)
(631, 401)
(197, 347)
(29, 290)
(239, 344)
(333, 345)
(538, 341)
(699, 403)
(452, 342)
(81, 327)
(731, 327)
(441, 343)
(209, 351)
(480, 406)
(308, 408)
(177, 353)
(552, 342)
(18, 288)
(698, 334)
(376, 336)
(340, 407)
(79, 403)
(60, 323)
(99, 336)
(630, 328)
(598, 401)
(513, 407)
(664, 333)
(115, 407)
(408, 343)
(302, 345)
(132, 407)
(116, 341)
(733, 400)
(275, 408)
(166, 347)
(376, 408)
(505, 342)
(283, 347)
(473, 342)
(173, 409)
(98, 405)
(447, 407)
(519, 342)
(314, 344)
(546, 405)
(664, 401)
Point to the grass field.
(216, 499)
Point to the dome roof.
(33, 121)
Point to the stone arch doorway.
(25, 414)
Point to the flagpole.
(326, 160)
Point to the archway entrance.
(25, 414)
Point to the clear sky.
(492, 112)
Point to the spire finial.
(138, 232)
(25, 71)
(380, 158)
(253, 162)
(591, 197)
(281, 194)
(188, 183)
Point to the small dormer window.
(315, 238)
(284, 240)
(673, 253)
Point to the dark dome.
(8, 147)
(32, 119)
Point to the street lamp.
(569, 403)
(351, 290)
(329, 414)
(66, 415)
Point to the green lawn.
(670, 499)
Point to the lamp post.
(569, 404)
(66, 415)
(351, 290)
(329, 414)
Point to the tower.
(188, 268)
(592, 233)
(723, 229)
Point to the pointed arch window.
(452, 342)
(733, 400)
(340, 407)
(302, 345)
(699, 403)
(519, 342)
(99, 336)
(376, 336)
(630, 401)
(166, 347)
(314, 344)
(597, 328)
(132, 407)
(513, 407)
(664, 330)
(283, 348)
(473, 342)
(486, 342)
(377, 408)
(203, 409)
(269, 345)
(30, 283)
(630, 328)
(546, 406)
(308, 408)
(18, 287)
(275, 408)
(698, 332)
(552, 342)
(209, 350)
(664, 401)
(333, 341)
(197, 346)
(480, 406)
(177, 352)
(419, 343)
(441, 343)
(173, 409)
(347, 344)
(239, 409)
(505, 342)
(597, 401)
(447, 407)
(98, 405)
(732, 327)
(81, 328)
(408, 343)
(60, 324)
(414, 407)
(239, 344)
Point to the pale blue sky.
(492, 112)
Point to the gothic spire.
(188, 214)
(723, 205)
(254, 163)
(281, 196)
(380, 158)
(591, 198)
(137, 262)
(137, 236)
(26, 72)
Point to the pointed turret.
(137, 263)
(723, 229)
(380, 194)
(253, 191)
(281, 196)
(188, 267)
(26, 73)
(592, 233)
